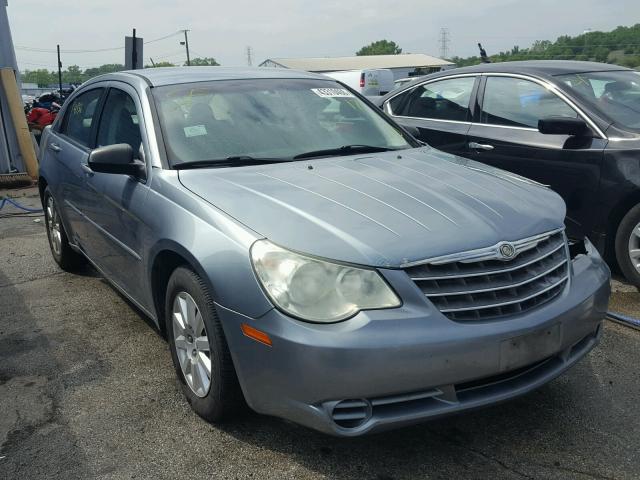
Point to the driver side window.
(119, 122)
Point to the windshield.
(616, 94)
(268, 119)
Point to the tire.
(626, 242)
(222, 398)
(67, 258)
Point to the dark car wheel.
(62, 252)
(199, 349)
(628, 245)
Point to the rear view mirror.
(575, 127)
(117, 159)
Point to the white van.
(371, 82)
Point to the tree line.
(620, 46)
(74, 74)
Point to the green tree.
(210, 61)
(160, 64)
(102, 69)
(380, 47)
(42, 77)
(619, 46)
(73, 74)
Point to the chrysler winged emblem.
(507, 251)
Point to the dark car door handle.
(86, 169)
(55, 147)
(480, 146)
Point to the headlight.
(316, 290)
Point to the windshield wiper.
(233, 161)
(344, 150)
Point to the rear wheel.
(628, 245)
(61, 251)
(199, 349)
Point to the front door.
(115, 215)
(506, 136)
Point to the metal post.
(134, 52)
(59, 73)
(10, 156)
(186, 44)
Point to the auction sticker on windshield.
(332, 92)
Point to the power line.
(97, 50)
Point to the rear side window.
(80, 116)
(520, 103)
(119, 121)
(441, 100)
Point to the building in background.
(402, 65)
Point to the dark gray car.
(302, 252)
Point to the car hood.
(383, 209)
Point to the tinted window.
(119, 121)
(80, 115)
(520, 103)
(444, 100)
(616, 93)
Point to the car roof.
(537, 67)
(175, 75)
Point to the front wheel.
(198, 348)
(628, 245)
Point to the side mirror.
(575, 127)
(117, 159)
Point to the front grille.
(477, 285)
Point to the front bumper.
(387, 368)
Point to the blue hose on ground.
(624, 319)
(17, 205)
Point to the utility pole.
(59, 73)
(134, 51)
(249, 60)
(444, 42)
(186, 44)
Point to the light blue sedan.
(303, 253)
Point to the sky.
(289, 28)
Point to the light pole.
(186, 44)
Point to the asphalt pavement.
(87, 390)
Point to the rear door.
(505, 135)
(68, 148)
(440, 109)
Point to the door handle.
(479, 146)
(55, 147)
(86, 169)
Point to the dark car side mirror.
(575, 127)
(413, 131)
(117, 159)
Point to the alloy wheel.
(53, 225)
(192, 344)
(634, 247)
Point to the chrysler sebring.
(304, 254)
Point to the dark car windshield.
(268, 119)
(615, 93)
